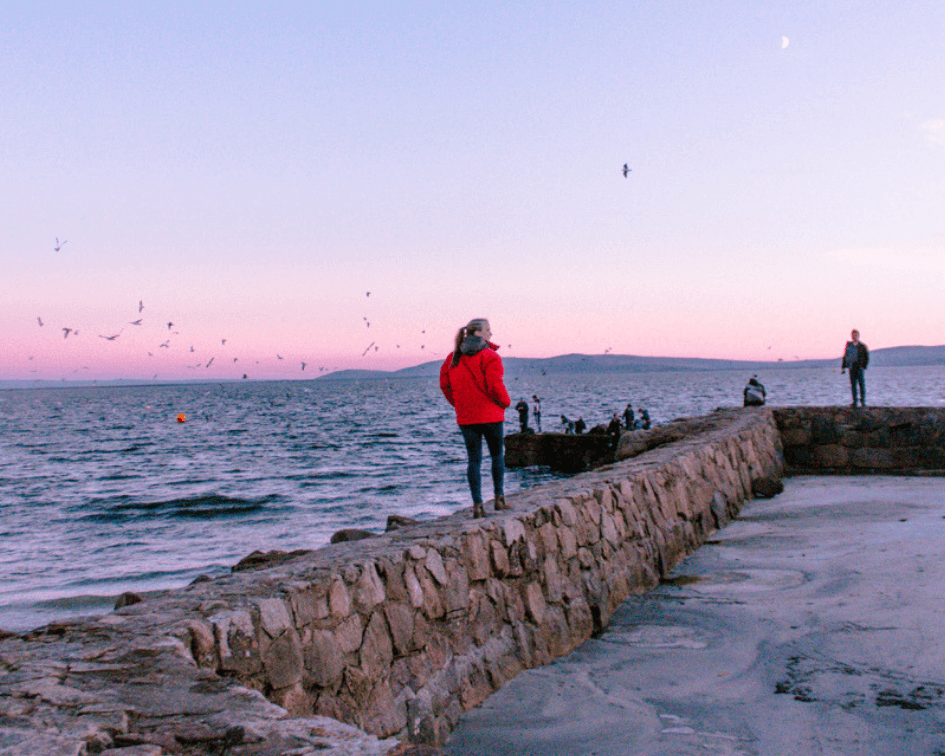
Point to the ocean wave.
(203, 506)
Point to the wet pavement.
(814, 624)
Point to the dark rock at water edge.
(351, 534)
(260, 559)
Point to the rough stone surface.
(903, 440)
(395, 635)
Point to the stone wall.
(902, 440)
(397, 635)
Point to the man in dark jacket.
(855, 358)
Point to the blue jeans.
(858, 379)
(473, 435)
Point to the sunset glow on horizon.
(344, 185)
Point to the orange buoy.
(182, 418)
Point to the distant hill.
(903, 356)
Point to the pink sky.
(251, 173)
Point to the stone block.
(500, 558)
(349, 633)
(377, 651)
(832, 456)
(512, 530)
(456, 595)
(414, 589)
(566, 510)
(274, 617)
(309, 604)
(283, 661)
(534, 603)
(548, 536)
(433, 605)
(552, 579)
(369, 591)
(476, 557)
(339, 602)
(434, 565)
(568, 541)
(324, 662)
(400, 619)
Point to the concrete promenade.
(814, 624)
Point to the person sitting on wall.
(645, 416)
(568, 425)
(754, 393)
(580, 426)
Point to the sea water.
(102, 491)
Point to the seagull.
(60, 246)
(136, 322)
(303, 364)
(224, 342)
(191, 348)
(626, 170)
(140, 305)
(235, 359)
(369, 294)
(279, 356)
(166, 344)
(169, 326)
(66, 332)
(368, 349)
(40, 321)
(111, 338)
(211, 361)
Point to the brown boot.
(478, 510)
(500, 503)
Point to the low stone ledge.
(397, 634)
(843, 440)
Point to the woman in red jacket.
(471, 380)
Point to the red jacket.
(474, 387)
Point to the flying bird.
(191, 348)
(211, 361)
(60, 246)
(223, 342)
(66, 332)
(368, 349)
(279, 356)
(169, 326)
(40, 321)
(111, 338)
(303, 364)
(626, 170)
(136, 322)
(166, 344)
(369, 294)
(140, 305)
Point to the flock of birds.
(171, 333)
(68, 331)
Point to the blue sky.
(250, 171)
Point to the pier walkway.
(814, 624)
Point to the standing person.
(856, 357)
(613, 430)
(471, 380)
(536, 411)
(628, 417)
(522, 409)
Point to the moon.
(785, 42)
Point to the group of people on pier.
(471, 379)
